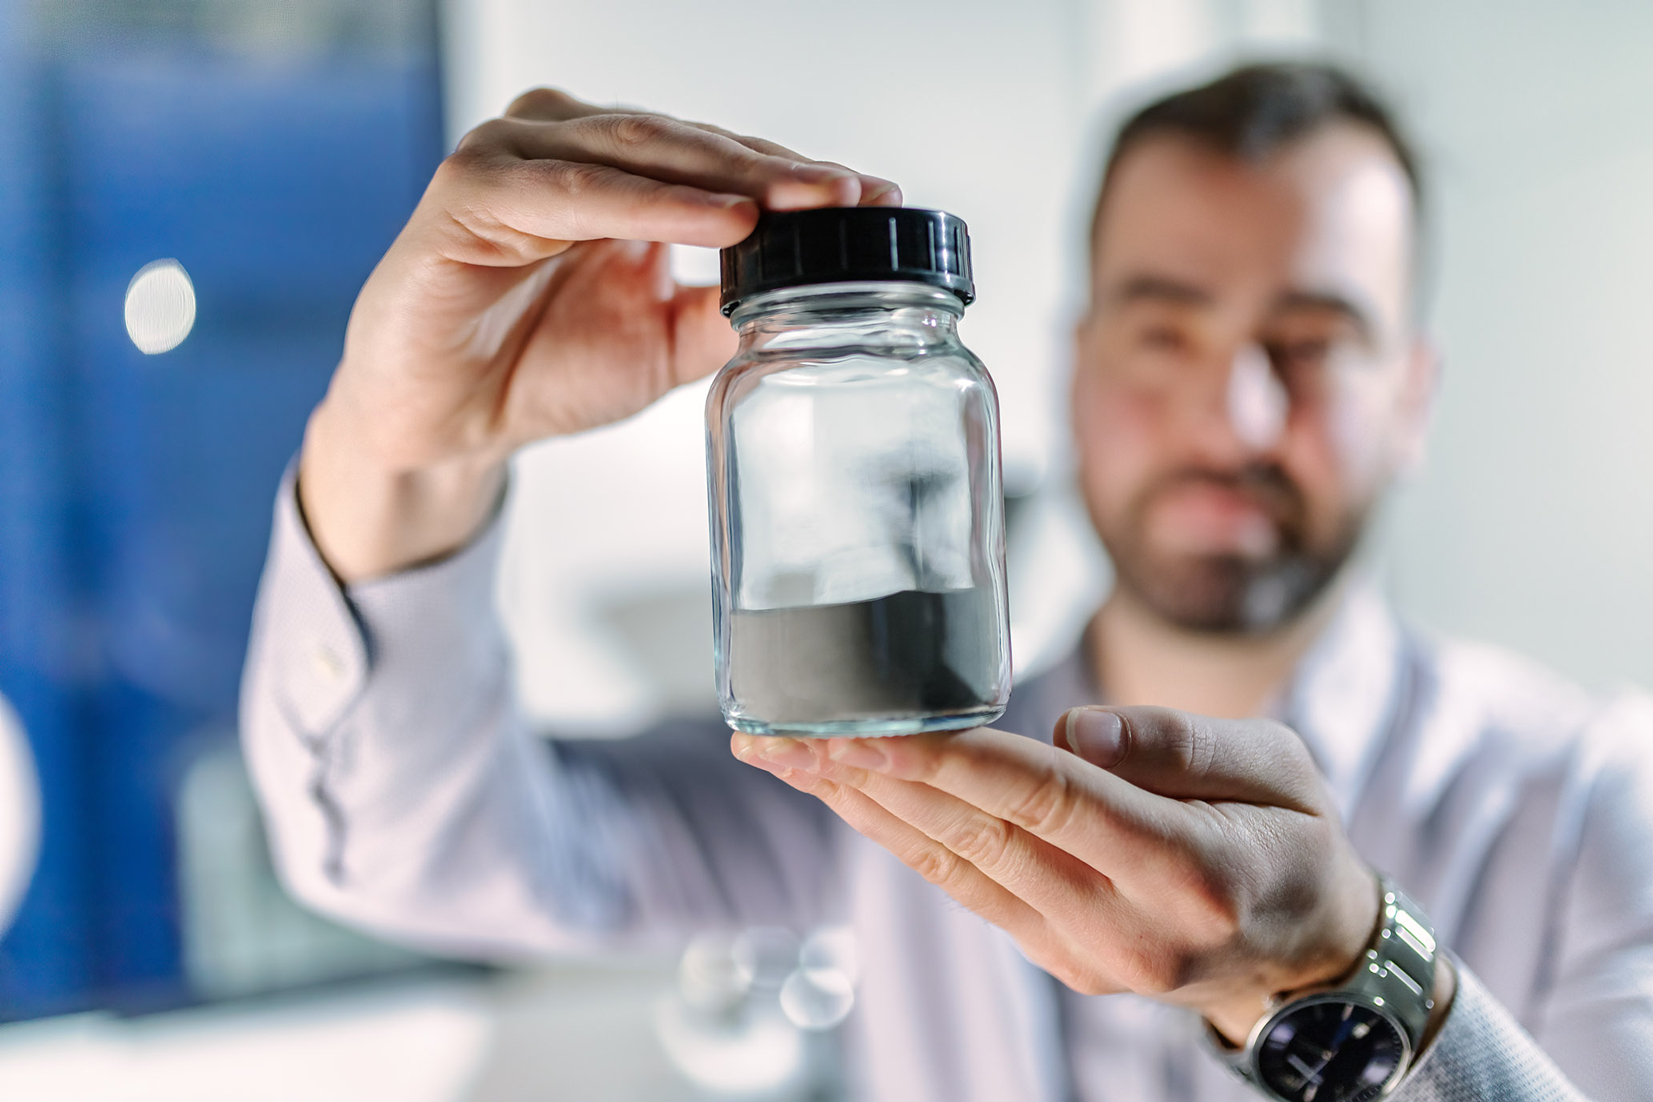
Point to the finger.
(1190, 757)
(1056, 883)
(614, 316)
(699, 339)
(1093, 949)
(1114, 827)
(875, 190)
(757, 145)
(665, 149)
(702, 339)
(931, 860)
(555, 105)
(494, 207)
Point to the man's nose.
(1255, 402)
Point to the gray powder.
(908, 654)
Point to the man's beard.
(1233, 593)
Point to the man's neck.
(1142, 658)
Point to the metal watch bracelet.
(1394, 977)
(1397, 971)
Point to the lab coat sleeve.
(1592, 1028)
(404, 792)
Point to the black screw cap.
(797, 248)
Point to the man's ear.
(1079, 352)
(1084, 337)
(1415, 404)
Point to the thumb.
(1189, 757)
(701, 337)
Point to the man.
(1249, 379)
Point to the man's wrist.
(1355, 918)
(1374, 1023)
(369, 519)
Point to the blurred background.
(191, 192)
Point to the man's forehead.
(1329, 214)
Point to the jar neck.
(835, 313)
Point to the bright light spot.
(752, 1056)
(1257, 401)
(817, 998)
(695, 266)
(831, 947)
(19, 813)
(765, 955)
(160, 307)
(708, 977)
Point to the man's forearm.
(400, 787)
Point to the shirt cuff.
(328, 638)
(1482, 1053)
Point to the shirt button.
(327, 663)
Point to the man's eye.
(1161, 338)
(1300, 354)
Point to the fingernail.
(787, 753)
(724, 202)
(1096, 735)
(858, 755)
(879, 193)
(818, 174)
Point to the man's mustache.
(1266, 484)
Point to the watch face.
(1331, 1051)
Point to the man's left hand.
(1197, 861)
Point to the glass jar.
(853, 467)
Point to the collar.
(1341, 698)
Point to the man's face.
(1247, 380)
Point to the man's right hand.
(530, 295)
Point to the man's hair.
(1256, 110)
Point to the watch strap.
(1397, 970)
(1395, 974)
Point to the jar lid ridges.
(848, 244)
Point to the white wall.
(1533, 523)
(1530, 525)
(962, 103)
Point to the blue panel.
(45, 958)
(278, 190)
(136, 496)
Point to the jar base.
(872, 727)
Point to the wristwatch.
(1355, 1040)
